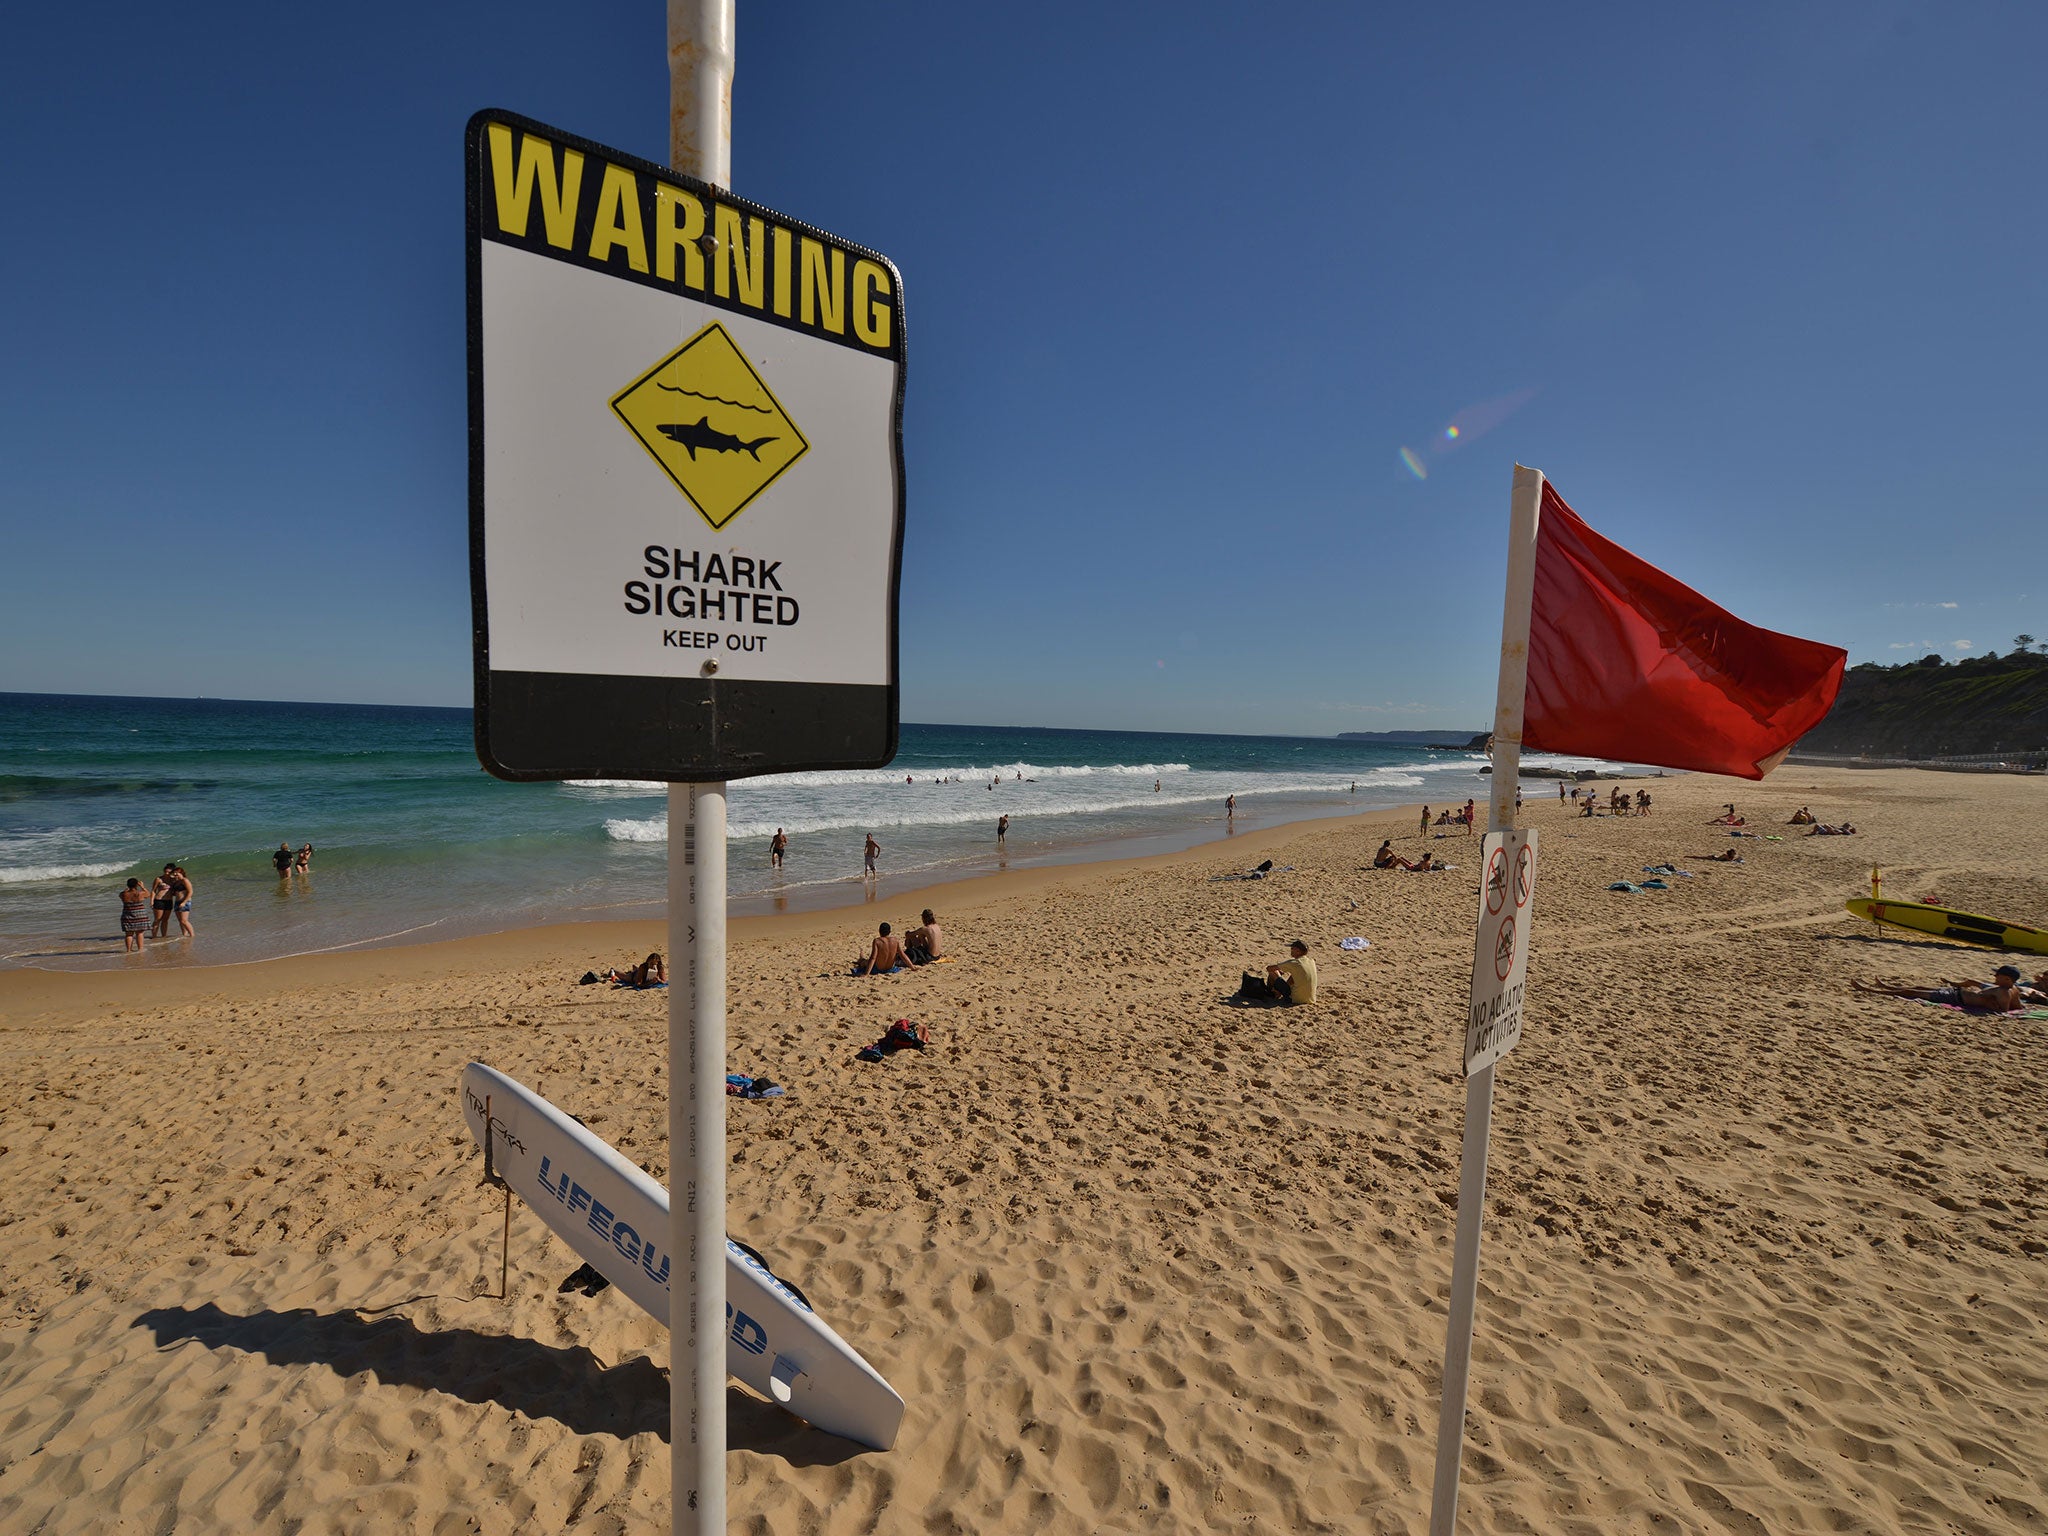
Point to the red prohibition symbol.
(1496, 881)
(1504, 949)
(1525, 874)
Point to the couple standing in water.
(148, 913)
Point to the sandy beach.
(1762, 1255)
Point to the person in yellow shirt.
(1291, 981)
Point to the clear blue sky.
(1759, 287)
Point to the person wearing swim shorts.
(885, 954)
(923, 945)
(181, 899)
(868, 855)
(777, 847)
(282, 859)
(2002, 996)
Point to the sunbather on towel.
(2002, 996)
(648, 973)
(886, 955)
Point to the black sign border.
(635, 727)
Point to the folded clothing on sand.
(1354, 943)
(739, 1087)
(901, 1036)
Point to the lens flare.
(1451, 433)
(1414, 462)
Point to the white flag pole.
(700, 67)
(1524, 507)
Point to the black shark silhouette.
(711, 440)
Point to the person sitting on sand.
(885, 955)
(1386, 858)
(1292, 980)
(2002, 996)
(923, 945)
(1802, 818)
(648, 973)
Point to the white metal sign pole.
(1524, 504)
(700, 68)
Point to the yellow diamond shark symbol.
(712, 424)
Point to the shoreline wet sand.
(1760, 1254)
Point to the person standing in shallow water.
(868, 855)
(135, 915)
(777, 847)
(1002, 828)
(181, 897)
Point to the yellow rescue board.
(1950, 924)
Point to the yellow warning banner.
(540, 190)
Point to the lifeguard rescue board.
(1947, 923)
(616, 1217)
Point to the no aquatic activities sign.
(686, 487)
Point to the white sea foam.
(33, 872)
(763, 805)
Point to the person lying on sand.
(1386, 858)
(2002, 996)
(1292, 980)
(648, 973)
(1728, 856)
(1822, 829)
(885, 955)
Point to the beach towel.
(1985, 1013)
(1656, 885)
(1354, 943)
(636, 986)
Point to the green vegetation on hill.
(1932, 708)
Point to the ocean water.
(414, 841)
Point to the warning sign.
(712, 424)
(1500, 960)
(686, 473)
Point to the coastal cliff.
(1932, 708)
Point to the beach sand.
(1760, 1255)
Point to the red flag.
(1625, 663)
